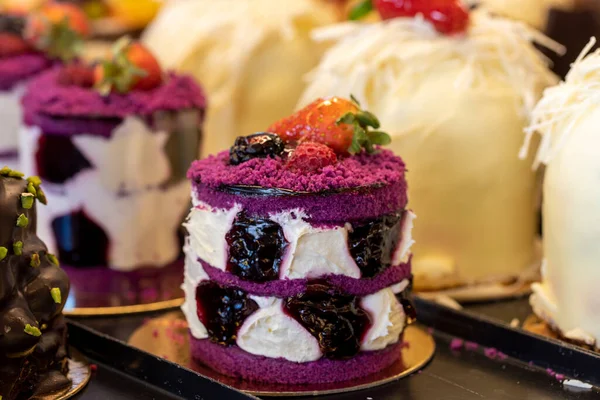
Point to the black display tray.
(127, 373)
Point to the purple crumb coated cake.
(294, 275)
(115, 171)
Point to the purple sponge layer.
(233, 361)
(329, 207)
(14, 70)
(292, 287)
(363, 170)
(46, 97)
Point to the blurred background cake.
(454, 89)
(31, 42)
(33, 292)
(298, 255)
(250, 55)
(567, 118)
(113, 142)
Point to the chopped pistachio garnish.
(52, 258)
(4, 171)
(31, 189)
(22, 221)
(32, 330)
(56, 295)
(41, 196)
(27, 200)
(35, 260)
(36, 180)
(3, 253)
(16, 174)
(18, 248)
(43, 327)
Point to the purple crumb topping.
(292, 287)
(456, 344)
(46, 96)
(559, 377)
(550, 372)
(235, 362)
(363, 170)
(471, 346)
(502, 356)
(14, 70)
(490, 352)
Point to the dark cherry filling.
(223, 310)
(81, 242)
(335, 320)
(58, 160)
(372, 243)
(407, 304)
(256, 247)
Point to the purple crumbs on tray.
(456, 344)
(471, 346)
(490, 352)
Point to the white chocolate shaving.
(562, 106)
(391, 53)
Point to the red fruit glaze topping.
(311, 157)
(448, 16)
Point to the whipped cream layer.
(270, 332)
(129, 190)
(312, 251)
(11, 116)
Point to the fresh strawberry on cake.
(298, 254)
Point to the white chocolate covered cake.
(249, 55)
(455, 99)
(567, 118)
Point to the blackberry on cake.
(33, 292)
(113, 141)
(298, 262)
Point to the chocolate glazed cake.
(33, 292)
(298, 259)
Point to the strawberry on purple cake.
(298, 253)
(29, 46)
(113, 142)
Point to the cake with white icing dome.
(298, 255)
(113, 142)
(567, 118)
(250, 56)
(454, 89)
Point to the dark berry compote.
(334, 319)
(222, 310)
(372, 243)
(256, 247)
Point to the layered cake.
(298, 254)
(567, 118)
(454, 88)
(250, 55)
(33, 292)
(113, 143)
(28, 46)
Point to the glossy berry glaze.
(372, 243)
(334, 319)
(256, 247)
(80, 240)
(222, 310)
(58, 159)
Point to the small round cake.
(454, 93)
(250, 55)
(27, 48)
(33, 292)
(113, 148)
(567, 118)
(298, 254)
